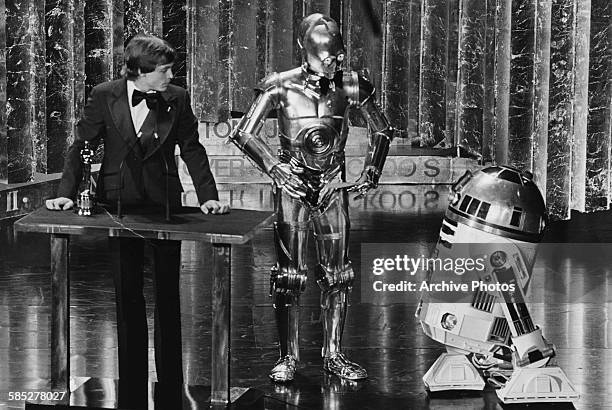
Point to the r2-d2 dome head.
(500, 200)
(496, 204)
(321, 43)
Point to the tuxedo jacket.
(140, 177)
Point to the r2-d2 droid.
(497, 216)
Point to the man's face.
(157, 79)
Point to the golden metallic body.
(313, 103)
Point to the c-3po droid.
(313, 103)
(497, 216)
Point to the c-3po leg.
(287, 281)
(335, 278)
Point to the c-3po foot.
(284, 370)
(342, 367)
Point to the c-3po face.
(322, 47)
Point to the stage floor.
(385, 338)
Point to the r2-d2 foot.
(453, 371)
(532, 380)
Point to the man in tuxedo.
(141, 118)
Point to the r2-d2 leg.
(532, 381)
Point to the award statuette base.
(86, 204)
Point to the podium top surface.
(237, 227)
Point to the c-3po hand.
(284, 176)
(366, 182)
(330, 189)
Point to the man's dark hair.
(145, 52)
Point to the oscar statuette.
(86, 197)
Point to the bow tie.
(325, 82)
(151, 98)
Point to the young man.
(141, 118)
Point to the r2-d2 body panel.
(472, 321)
(497, 208)
(496, 219)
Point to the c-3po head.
(322, 47)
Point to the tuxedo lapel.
(122, 117)
(166, 114)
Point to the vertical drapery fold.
(60, 80)
(401, 71)
(599, 138)
(3, 100)
(561, 108)
(520, 118)
(541, 87)
(204, 67)
(38, 89)
(434, 73)
(471, 78)
(101, 48)
(244, 54)
(174, 30)
(581, 103)
(142, 16)
(20, 27)
(503, 57)
(488, 121)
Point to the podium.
(223, 231)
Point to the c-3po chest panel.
(311, 126)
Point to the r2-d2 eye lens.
(449, 321)
(498, 259)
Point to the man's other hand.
(59, 204)
(214, 207)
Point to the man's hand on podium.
(59, 204)
(214, 207)
(208, 207)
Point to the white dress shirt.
(140, 111)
